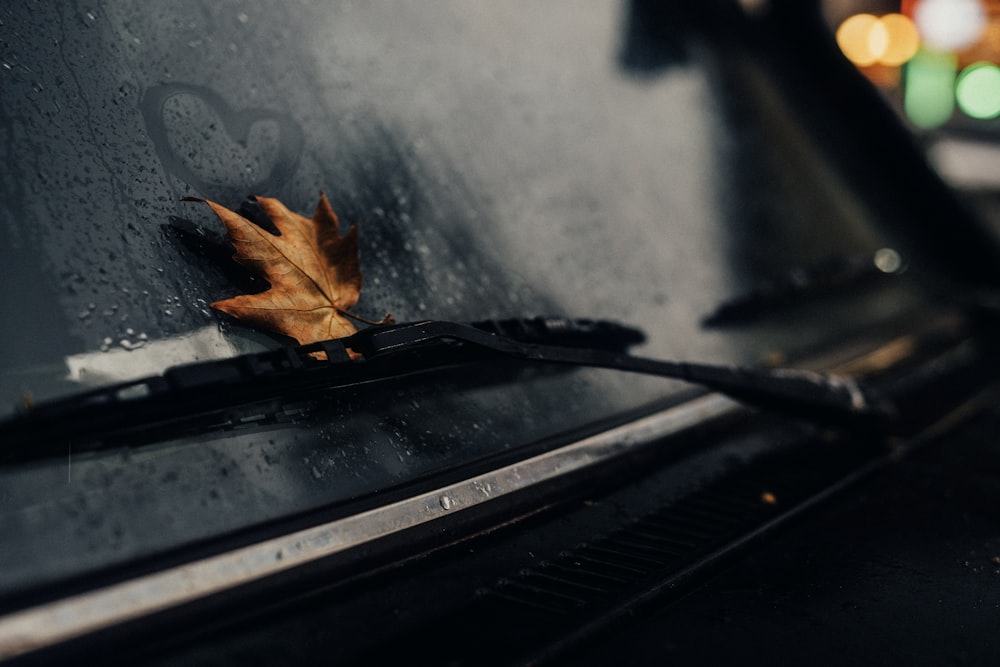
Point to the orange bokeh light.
(902, 39)
(854, 39)
(888, 40)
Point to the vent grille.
(550, 607)
(659, 544)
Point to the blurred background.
(937, 62)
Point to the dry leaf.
(313, 271)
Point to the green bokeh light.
(929, 99)
(978, 90)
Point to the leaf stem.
(388, 319)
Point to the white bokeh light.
(950, 25)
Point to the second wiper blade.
(393, 351)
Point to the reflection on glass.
(130, 362)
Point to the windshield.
(500, 160)
(493, 167)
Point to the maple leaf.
(314, 272)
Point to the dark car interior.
(694, 347)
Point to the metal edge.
(52, 623)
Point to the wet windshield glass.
(494, 167)
(500, 160)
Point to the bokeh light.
(929, 99)
(887, 260)
(902, 39)
(922, 47)
(854, 38)
(978, 90)
(950, 25)
(890, 40)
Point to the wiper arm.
(803, 393)
(402, 349)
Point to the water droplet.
(446, 502)
(242, 18)
(91, 16)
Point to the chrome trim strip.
(49, 624)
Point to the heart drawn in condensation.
(220, 151)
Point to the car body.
(723, 181)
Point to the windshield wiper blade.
(398, 350)
(816, 396)
(198, 388)
(805, 284)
